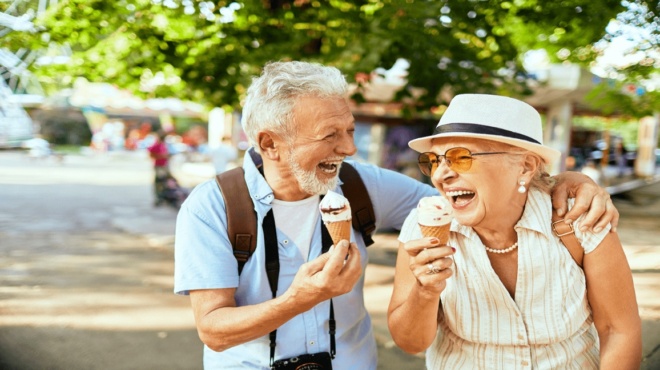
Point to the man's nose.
(346, 145)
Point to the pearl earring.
(521, 188)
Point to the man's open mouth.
(329, 167)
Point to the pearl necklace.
(505, 250)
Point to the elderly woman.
(505, 293)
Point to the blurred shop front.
(109, 118)
(382, 129)
(382, 134)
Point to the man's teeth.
(328, 167)
(458, 193)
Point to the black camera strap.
(273, 272)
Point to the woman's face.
(486, 192)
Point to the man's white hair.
(272, 96)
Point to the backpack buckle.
(559, 233)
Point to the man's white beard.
(308, 181)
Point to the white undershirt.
(297, 220)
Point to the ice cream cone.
(339, 230)
(434, 216)
(440, 232)
(336, 216)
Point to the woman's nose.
(442, 172)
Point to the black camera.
(314, 361)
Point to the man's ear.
(268, 144)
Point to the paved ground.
(86, 270)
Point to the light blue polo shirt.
(204, 260)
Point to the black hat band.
(473, 128)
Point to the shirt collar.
(258, 187)
(466, 231)
(538, 210)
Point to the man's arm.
(589, 198)
(222, 325)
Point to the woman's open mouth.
(460, 197)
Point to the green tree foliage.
(630, 93)
(626, 98)
(208, 51)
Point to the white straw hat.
(491, 117)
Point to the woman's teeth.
(460, 193)
(457, 193)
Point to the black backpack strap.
(241, 218)
(273, 273)
(354, 190)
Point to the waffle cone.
(340, 230)
(440, 232)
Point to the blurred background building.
(101, 117)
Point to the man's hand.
(222, 324)
(330, 275)
(589, 197)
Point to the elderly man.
(300, 126)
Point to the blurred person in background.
(620, 157)
(196, 139)
(590, 169)
(160, 156)
(224, 154)
(38, 147)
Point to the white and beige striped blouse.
(549, 323)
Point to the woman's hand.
(430, 263)
(589, 198)
(422, 270)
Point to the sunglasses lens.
(459, 159)
(427, 163)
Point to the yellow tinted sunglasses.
(457, 159)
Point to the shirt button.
(520, 336)
(311, 342)
(285, 241)
(525, 363)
